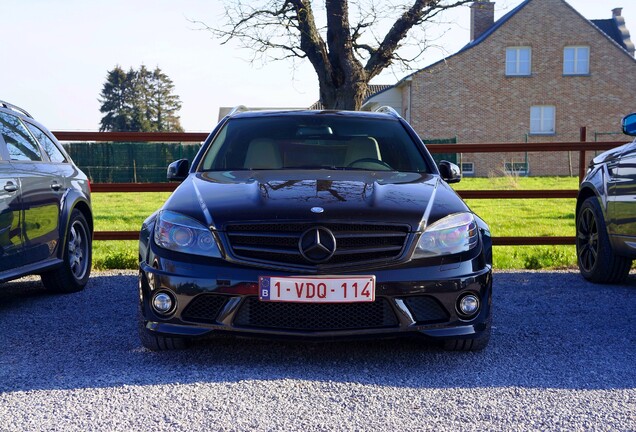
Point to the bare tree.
(345, 56)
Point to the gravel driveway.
(562, 357)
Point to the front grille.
(426, 309)
(314, 316)
(204, 308)
(279, 243)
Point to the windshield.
(320, 141)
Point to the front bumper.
(411, 301)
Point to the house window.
(518, 61)
(576, 60)
(516, 168)
(468, 168)
(542, 120)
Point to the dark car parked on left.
(46, 221)
(606, 213)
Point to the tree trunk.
(348, 96)
(345, 86)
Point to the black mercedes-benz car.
(315, 225)
(606, 213)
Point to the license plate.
(319, 289)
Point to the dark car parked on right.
(606, 213)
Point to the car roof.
(313, 113)
(14, 109)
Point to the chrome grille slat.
(366, 235)
(343, 251)
(265, 249)
(264, 234)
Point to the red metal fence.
(582, 147)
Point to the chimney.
(624, 38)
(482, 17)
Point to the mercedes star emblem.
(317, 245)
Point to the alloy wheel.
(587, 244)
(78, 249)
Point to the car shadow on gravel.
(551, 330)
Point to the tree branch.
(418, 13)
(311, 43)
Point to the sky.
(56, 55)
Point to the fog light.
(469, 305)
(162, 303)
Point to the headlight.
(453, 234)
(180, 233)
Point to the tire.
(72, 275)
(596, 259)
(476, 344)
(155, 342)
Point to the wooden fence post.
(582, 165)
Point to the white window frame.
(542, 120)
(514, 66)
(470, 170)
(516, 168)
(581, 52)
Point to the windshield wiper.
(315, 167)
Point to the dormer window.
(576, 60)
(518, 61)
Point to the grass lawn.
(514, 217)
(121, 212)
(520, 183)
(527, 217)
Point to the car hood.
(221, 198)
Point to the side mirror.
(178, 170)
(449, 172)
(629, 124)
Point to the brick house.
(536, 75)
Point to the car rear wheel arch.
(74, 272)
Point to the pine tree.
(165, 104)
(143, 112)
(116, 98)
(139, 100)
